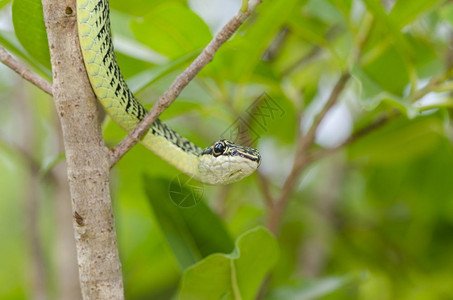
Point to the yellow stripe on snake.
(221, 163)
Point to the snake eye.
(218, 149)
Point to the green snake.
(221, 163)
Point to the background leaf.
(315, 289)
(168, 29)
(3, 3)
(29, 26)
(10, 42)
(192, 231)
(406, 11)
(234, 276)
(139, 7)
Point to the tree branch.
(24, 72)
(86, 156)
(181, 82)
(338, 88)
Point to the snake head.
(225, 162)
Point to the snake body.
(221, 163)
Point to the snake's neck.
(183, 161)
(173, 148)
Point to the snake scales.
(221, 163)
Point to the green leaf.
(234, 276)
(139, 7)
(405, 11)
(172, 30)
(10, 42)
(446, 13)
(314, 289)
(371, 95)
(28, 21)
(343, 5)
(399, 141)
(131, 66)
(311, 29)
(391, 27)
(389, 70)
(426, 61)
(3, 3)
(181, 107)
(192, 230)
(240, 57)
(325, 10)
(147, 77)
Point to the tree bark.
(86, 155)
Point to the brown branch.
(418, 94)
(24, 72)
(301, 160)
(353, 138)
(304, 159)
(181, 82)
(338, 88)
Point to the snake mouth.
(234, 174)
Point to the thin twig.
(353, 138)
(434, 83)
(24, 72)
(33, 164)
(182, 81)
(278, 42)
(265, 189)
(303, 60)
(315, 51)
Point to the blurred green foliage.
(235, 276)
(372, 221)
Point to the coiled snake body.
(221, 163)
